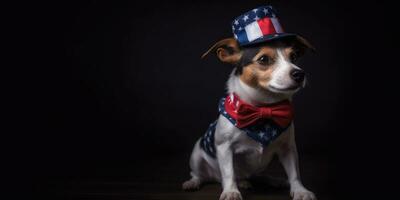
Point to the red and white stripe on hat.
(264, 26)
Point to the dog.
(263, 81)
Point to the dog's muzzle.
(297, 75)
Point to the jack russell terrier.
(256, 117)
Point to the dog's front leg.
(289, 159)
(225, 160)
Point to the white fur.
(280, 78)
(239, 156)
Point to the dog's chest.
(251, 156)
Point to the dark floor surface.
(162, 178)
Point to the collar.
(245, 114)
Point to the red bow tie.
(246, 115)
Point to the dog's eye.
(264, 60)
(294, 57)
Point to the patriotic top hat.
(258, 25)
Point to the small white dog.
(255, 121)
(264, 75)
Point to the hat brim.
(279, 36)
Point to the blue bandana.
(264, 133)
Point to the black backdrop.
(121, 83)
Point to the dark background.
(119, 89)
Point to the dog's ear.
(227, 50)
(306, 45)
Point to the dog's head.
(269, 66)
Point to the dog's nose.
(297, 75)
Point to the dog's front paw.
(302, 194)
(192, 184)
(231, 195)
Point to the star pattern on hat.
(245, 18)
(265, 11)
(256, 14)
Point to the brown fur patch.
(287, 52)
